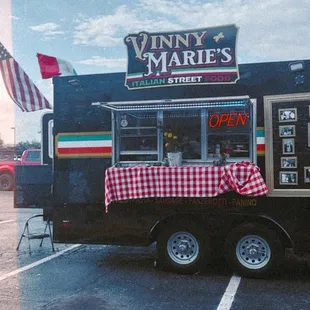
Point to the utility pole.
(14, 135)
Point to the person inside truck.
(190, 148)
(145, 145)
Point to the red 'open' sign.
(231, 119)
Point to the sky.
(89, 34)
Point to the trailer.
(116, 179)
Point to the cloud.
(273, 29)
(49, 30)
(109, 30)
(45, 27)
(108, 63)
(268, 30)
(97, 40)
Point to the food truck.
(188, 150)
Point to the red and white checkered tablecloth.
(185, 181)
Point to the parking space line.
(7, 221)
(230, 293)
(39, 262)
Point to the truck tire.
(253, 250)
(6, 181)
(183, 247)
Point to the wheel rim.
(5, 183)
(183, 248)
(253, 252)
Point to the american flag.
(19, 86)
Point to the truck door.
(33, 182)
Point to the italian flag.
(80, 144)
(260, 140)
(52, 66)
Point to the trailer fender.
(243, 218)
(233, 220)
(172, 218)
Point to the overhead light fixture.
(75, 82)
(296, 66)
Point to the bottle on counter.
(227, 149)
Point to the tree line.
(19, 148)
(25, 145)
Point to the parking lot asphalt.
(116, 277)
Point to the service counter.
(185, 181)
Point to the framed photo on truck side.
(288, 178)
(288, 146)
(288, 162)
(307, 174)
(287, 131)
(288, 115)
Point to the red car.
(7, 171)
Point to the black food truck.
(145, 156)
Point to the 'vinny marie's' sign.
(202, 56)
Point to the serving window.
(202, 129)
(137, 138)
(186, 128)
(229, 132)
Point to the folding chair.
(31, 236)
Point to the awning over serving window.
(180, 104)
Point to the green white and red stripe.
(192, 71)
(51, 66)
(260, 140)
(81, 144)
